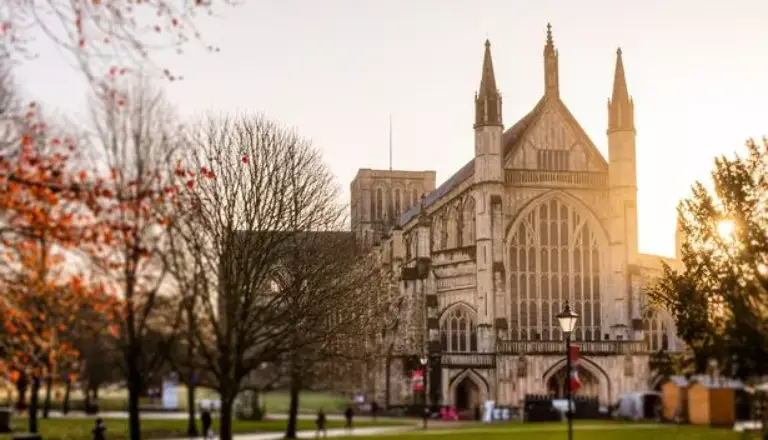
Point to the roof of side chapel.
(509, 138)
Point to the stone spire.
(551, 75)
(487, 99)
(621, 108)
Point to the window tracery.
(554, 257)
(379, 211)
(444, 225)
(655, 330)
(468, 238)
(458, 331)
(398, 203)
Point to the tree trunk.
(47, 402)
(33, 400)
(225, 417)
(293, 410)
(191, 422)
(21, 387)
(388, 368)
(65, 404)
(192, 380)
(134, 391)
(258, 410)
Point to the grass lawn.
(117, 429)
(277, 402)
(583, 430)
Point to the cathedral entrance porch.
(557, 385)
(467, 390)
(467, 395)
(595, 381)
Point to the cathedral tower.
(487, 192)
(622, 195)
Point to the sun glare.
(726, 228)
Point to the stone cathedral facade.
(485, 261)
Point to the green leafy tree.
(719, 297)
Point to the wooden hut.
(713, 401)
(674, 398)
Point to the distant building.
(488, 259)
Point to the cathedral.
(484, 262)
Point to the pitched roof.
(510, 139)
(510, 136)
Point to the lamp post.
(425, 363)
(567, 320)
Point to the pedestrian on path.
(99, 429)
(320, 422)
(206, 420)
(349, 414)
(374, 410)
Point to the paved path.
(377, 430)
(160, 415)
(370, 431)
(557, 428)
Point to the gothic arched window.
(554, 256)
(398, 203)
(414, 197)
(444, 230)
(656, 331)
(458, 331)
(379, 204)
(468, 230)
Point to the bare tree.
(11, 119)
(136, 138)
(266, 186)
(335, 295)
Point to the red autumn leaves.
(57, 216)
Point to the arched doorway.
(467, 394)
(590, 385)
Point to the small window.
(552, 160)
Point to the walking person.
(374, 410)
(207, 421)
(99, 430)
(320, 422)
(349, 414)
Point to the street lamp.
(425, 363)
(567, 320)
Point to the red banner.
(573, 355)
(417, 380)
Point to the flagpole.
(390, 142)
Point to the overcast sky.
(335, 70)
